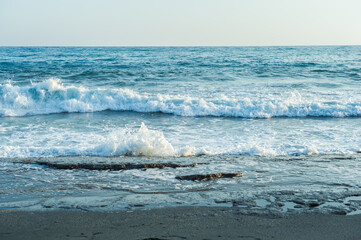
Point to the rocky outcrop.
(207, 177)
(112, 167)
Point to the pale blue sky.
(179, 22)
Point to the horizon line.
(300, 45)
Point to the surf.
(52, 96)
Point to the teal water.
(289, 118)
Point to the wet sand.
(174, 223)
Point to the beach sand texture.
(175, 223)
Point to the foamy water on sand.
(287, 118)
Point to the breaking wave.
(147, 142)
(51, 96)
(121, 142)
(143, 142)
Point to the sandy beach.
(174, 223)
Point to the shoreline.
(174, 223)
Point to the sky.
(179, 22)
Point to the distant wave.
(51, 96)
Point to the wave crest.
(52, 96)
(143, 142)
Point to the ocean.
(288, 118)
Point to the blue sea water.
(289, 118)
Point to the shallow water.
(328, 183)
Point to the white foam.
(118, 141)
(51, 96)
(143, 142)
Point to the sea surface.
(288, 118)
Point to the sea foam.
(52, 96)
(142, 142)
(119, 142)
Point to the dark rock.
(137, 205)
(112, 167)
(340, 212)
(154, 239)
(313, 204)
(207, 177)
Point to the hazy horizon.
(155, 23)
(180, 46)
